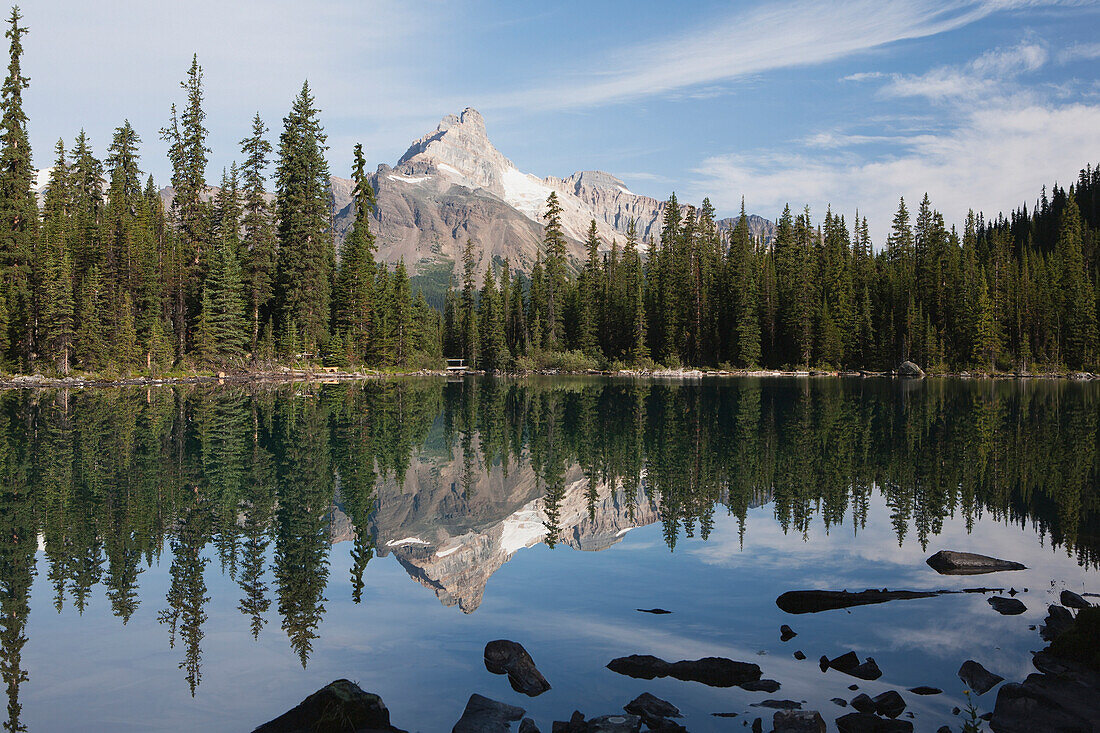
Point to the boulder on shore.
(339, 704)
(910, 370)
(1058, 621)
(483, 715)
(949, 562)
(1070, 599)
(510, 658)
(1063, 696)
(651, 709)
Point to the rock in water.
(798, 721)
(1058, 621)
(845, 662)
(657, 611)
(651, 709)
(1063, 698)
(925, 690)
(949, 562)
(528, 726)
(640, 666)
(338, 703)
(889, 703)
(1007, 606)
(712, 671)
(800, 655)
(862, 703)
(814, 601)
(786, 633)
(483, 715)
(614, 724)
(909, 369)
(760, 685)
(1070, 599)
(869, 723)
(977, 678)
(508, 657)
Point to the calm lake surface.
(203, 559)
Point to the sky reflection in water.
(1006, 469)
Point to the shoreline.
(320, 374)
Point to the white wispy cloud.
(989, 72)
(767, 37)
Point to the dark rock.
(760, 685)
(712, 671)
(341, 702)
(815, 601)
(483, 715)
(956, 710)
(614, 724)
(724, 715)
(1070, 599)
(658, 611)
(510, 658)
(640, 666)
(943, 729)
(528, 726)
(823, 663)
(1007, 606)
(890, 703)
(986, 716)
(868, 723)
(910, 370)
(863, 703)
(575, 724)
(949, 562)
(925, 690)
(786, 633)
(839, 701)
(845, 662)
(758, 726)
(651, 709)
(977, 678)
(1063, 697)
(664, 725)
(798, 721)
(1058, 621)
(799, 655)
(779, 704)
(853, 687)
(867, 671)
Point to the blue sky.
(850, 104)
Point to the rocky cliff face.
(451, 538)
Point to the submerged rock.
(508, 657)
(949, 562)
(657, 611)
(601, 724)
(925, 690)
(760, 685)
(798, 721)
(869, 723)
(712, 671)
(779, 704)
(483, 715)
(977, 678)
(1007, 606)
(341, 703)
(814, 601)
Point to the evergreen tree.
(493, 353)
(354, 292)
(258, 240)
(467, 313)
(223, 331)
(590, 295)
(553, 241)
(306, 259)
(18, 207)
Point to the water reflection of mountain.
(453, 477)
(452, 538)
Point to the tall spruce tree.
(306, 259)
(18, 206)
(553, 241)
(354, 296)
(257, 253)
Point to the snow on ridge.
(522, 529)
(407, 179)
(406, 541)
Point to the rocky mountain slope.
(453, 184)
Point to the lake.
(203, 558)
